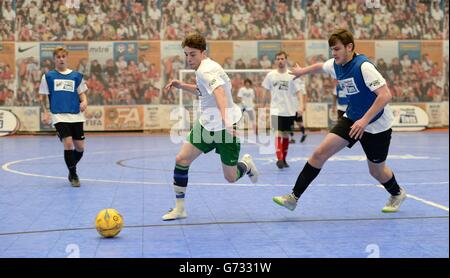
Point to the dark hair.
(248, 80)
(281, 53)
(194, 40)
(342, 35)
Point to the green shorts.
(226, 145)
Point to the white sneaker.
(394, 202)
(288, 201)
(252, 171)
(174, 214)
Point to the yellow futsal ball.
(109, 222)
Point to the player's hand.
(46, 118)
(296, 71)
(334, 109)
(357, 129)
(174, 83)
(83, 106)
(298, 115)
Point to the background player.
(65, 91)
(286, 100)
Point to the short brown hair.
(281, 53)
(194, 40)
(59, 49)
(342, 35)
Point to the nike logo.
(25, 49)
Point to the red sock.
(285, 144)
(279, 147)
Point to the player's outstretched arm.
(298, 71)
(191, 88)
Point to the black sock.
(392, 186)
(306, 176)
(70, 161)
(78, 155)
(241, 169)
(302, 130)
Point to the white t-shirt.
(64, 117)
(248, 97)
(373, 80)
(283, 89)
(209, 76)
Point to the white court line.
(6, 167)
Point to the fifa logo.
(373, 4)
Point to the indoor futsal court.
(100, 102)
(339, 217)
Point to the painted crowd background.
(128, 49)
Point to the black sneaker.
(303, 138)
(280, 164)
(292, 141)
(74, 180)
(285, 164)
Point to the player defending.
(368, 119)
(284, 105)
(215, 128)
(65, 90)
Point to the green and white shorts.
(226, 145)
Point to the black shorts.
(340, 113)
(74, 130)
(282, 123)
(375, 146)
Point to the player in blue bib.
(65, 91)
(367, 119)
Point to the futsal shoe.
(174, 214)
(74, 180)
(303, 138)
(394, 202)
(288, 201)
(280, 164)
(292, 141)
(252, 171)
(285, 164)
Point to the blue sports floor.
(338, 216)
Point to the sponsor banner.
(8, 122)
(411, 48)
(316, 115)
(245, 50)
(127, 50)
(295, 50)
(124, 117)
(150, 51)
(433, 49)
(7, 59)
(269, 48)
(316, 51)
(159, 116)
(100, 51)
(220, 51)
(437, 113)
(409, 118)
(95, 118)
(386, 50)
(28, 117)
(367, 48)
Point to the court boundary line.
(235, 223)
(6, 167)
